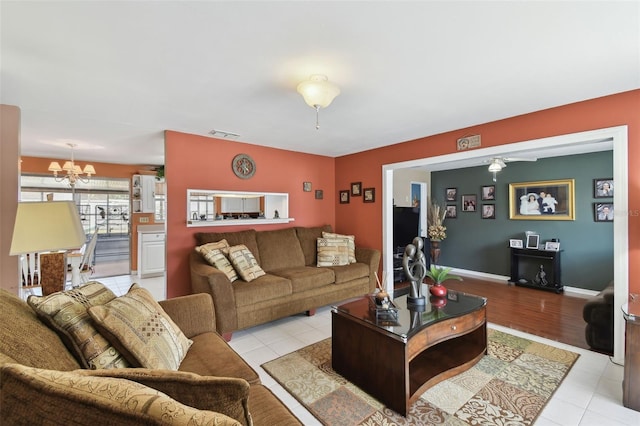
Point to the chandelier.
(73, 171)
(318, 93)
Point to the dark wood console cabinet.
(526, 267)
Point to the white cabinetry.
(143, 194)
(150, 254)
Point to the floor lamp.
(51, 227)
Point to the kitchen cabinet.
(151, 254)
(143, 194)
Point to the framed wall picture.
(488, 192)
(319, 194)
(542, 200)
(356, 189)
(469, 203)
(369, 195)
(451, 212)
(488, 211)
(306, 186)
(533, 241)
(603, 212)
(344, 197)
(515, 243)
(603, 188)
(450, 194)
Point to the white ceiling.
(111, 76)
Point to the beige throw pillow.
(215, 255)
(71, 398)
(67, 313)
(351, 243)
(244, 262)
(332, 252)
(137, 325)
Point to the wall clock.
(243, 166)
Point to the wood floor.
(542, 313)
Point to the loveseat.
(42, 381)
(598, 314)
(292, 283)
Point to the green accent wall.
(478, 244)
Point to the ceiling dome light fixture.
(318, 93)
(496, 166)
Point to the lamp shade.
(317, 91)
(495, 167)
(46, 226)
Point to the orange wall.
(199, 162)
(39, 165)
(609, 111)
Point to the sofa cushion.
(74, 399)
(332, 252)
(279, 249)
(267, 410)
(246, 237)
(66, 313)
(306, 277)
(28, 339)
(267, 287)
(308, 238)
(245, 263)
(211, 355)
(214, 254)
(138, 326)
(351, 243)
(350, 272)
(226, 395)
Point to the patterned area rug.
(509, 386)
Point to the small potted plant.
(438, 276)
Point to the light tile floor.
(591, 394)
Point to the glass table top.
(404, 322)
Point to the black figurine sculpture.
(414, 264)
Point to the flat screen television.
(405, 226)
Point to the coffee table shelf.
(396, 364)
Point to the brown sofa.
(211, 377)
(598, 314)
(293, 283)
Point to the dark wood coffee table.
(396, 360)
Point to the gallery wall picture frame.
(552, 246)
(451, 212)
(603, 188)
(369, 195)
(488, 211)
(533, 240)
(542, 200)
(469, 202)
(319, 194)
(344, 197)
(515, 243)
(488, 192)
(306, 186)
(356, 189)
(450, 194)
(603, 212)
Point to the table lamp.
(52, 226)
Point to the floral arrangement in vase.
(439, 275)
(435, 219)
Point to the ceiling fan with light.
(499, 163)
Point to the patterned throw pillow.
(137, 325)
(66, 313)
(244, 262)
(333, 252)
(214, 254)
(351, 243)
(98, 400)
